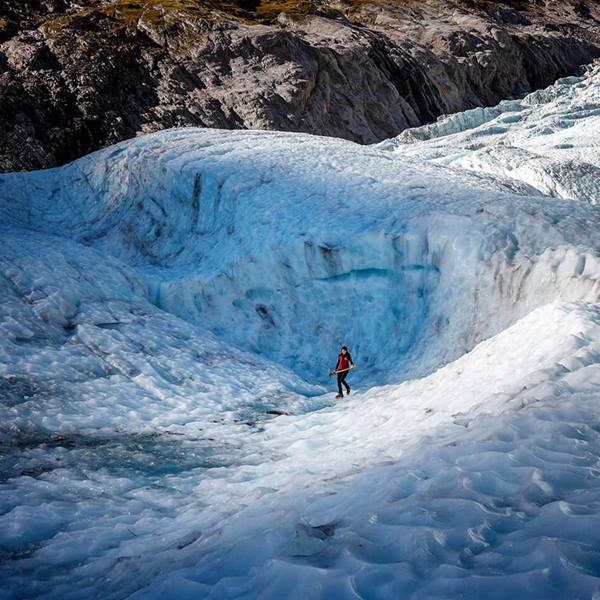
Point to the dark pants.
(342, 379)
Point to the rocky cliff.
(79, 75)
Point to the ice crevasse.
(166, 299)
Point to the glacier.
(546, 143)
(170, 309)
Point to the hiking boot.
(339, 395)
(348, 392)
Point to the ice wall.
(290, 246)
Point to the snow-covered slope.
(170, 308)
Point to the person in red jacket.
(344, 364)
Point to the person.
(344, 364)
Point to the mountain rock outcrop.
(76, 76)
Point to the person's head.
(344, 350)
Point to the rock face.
(77, 76)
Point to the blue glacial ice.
(170, 308)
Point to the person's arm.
(334, 368)
(350, 359)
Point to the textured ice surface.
(546, 143)
(170, 307)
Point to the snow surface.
(170, 308)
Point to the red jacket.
(344, 362)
